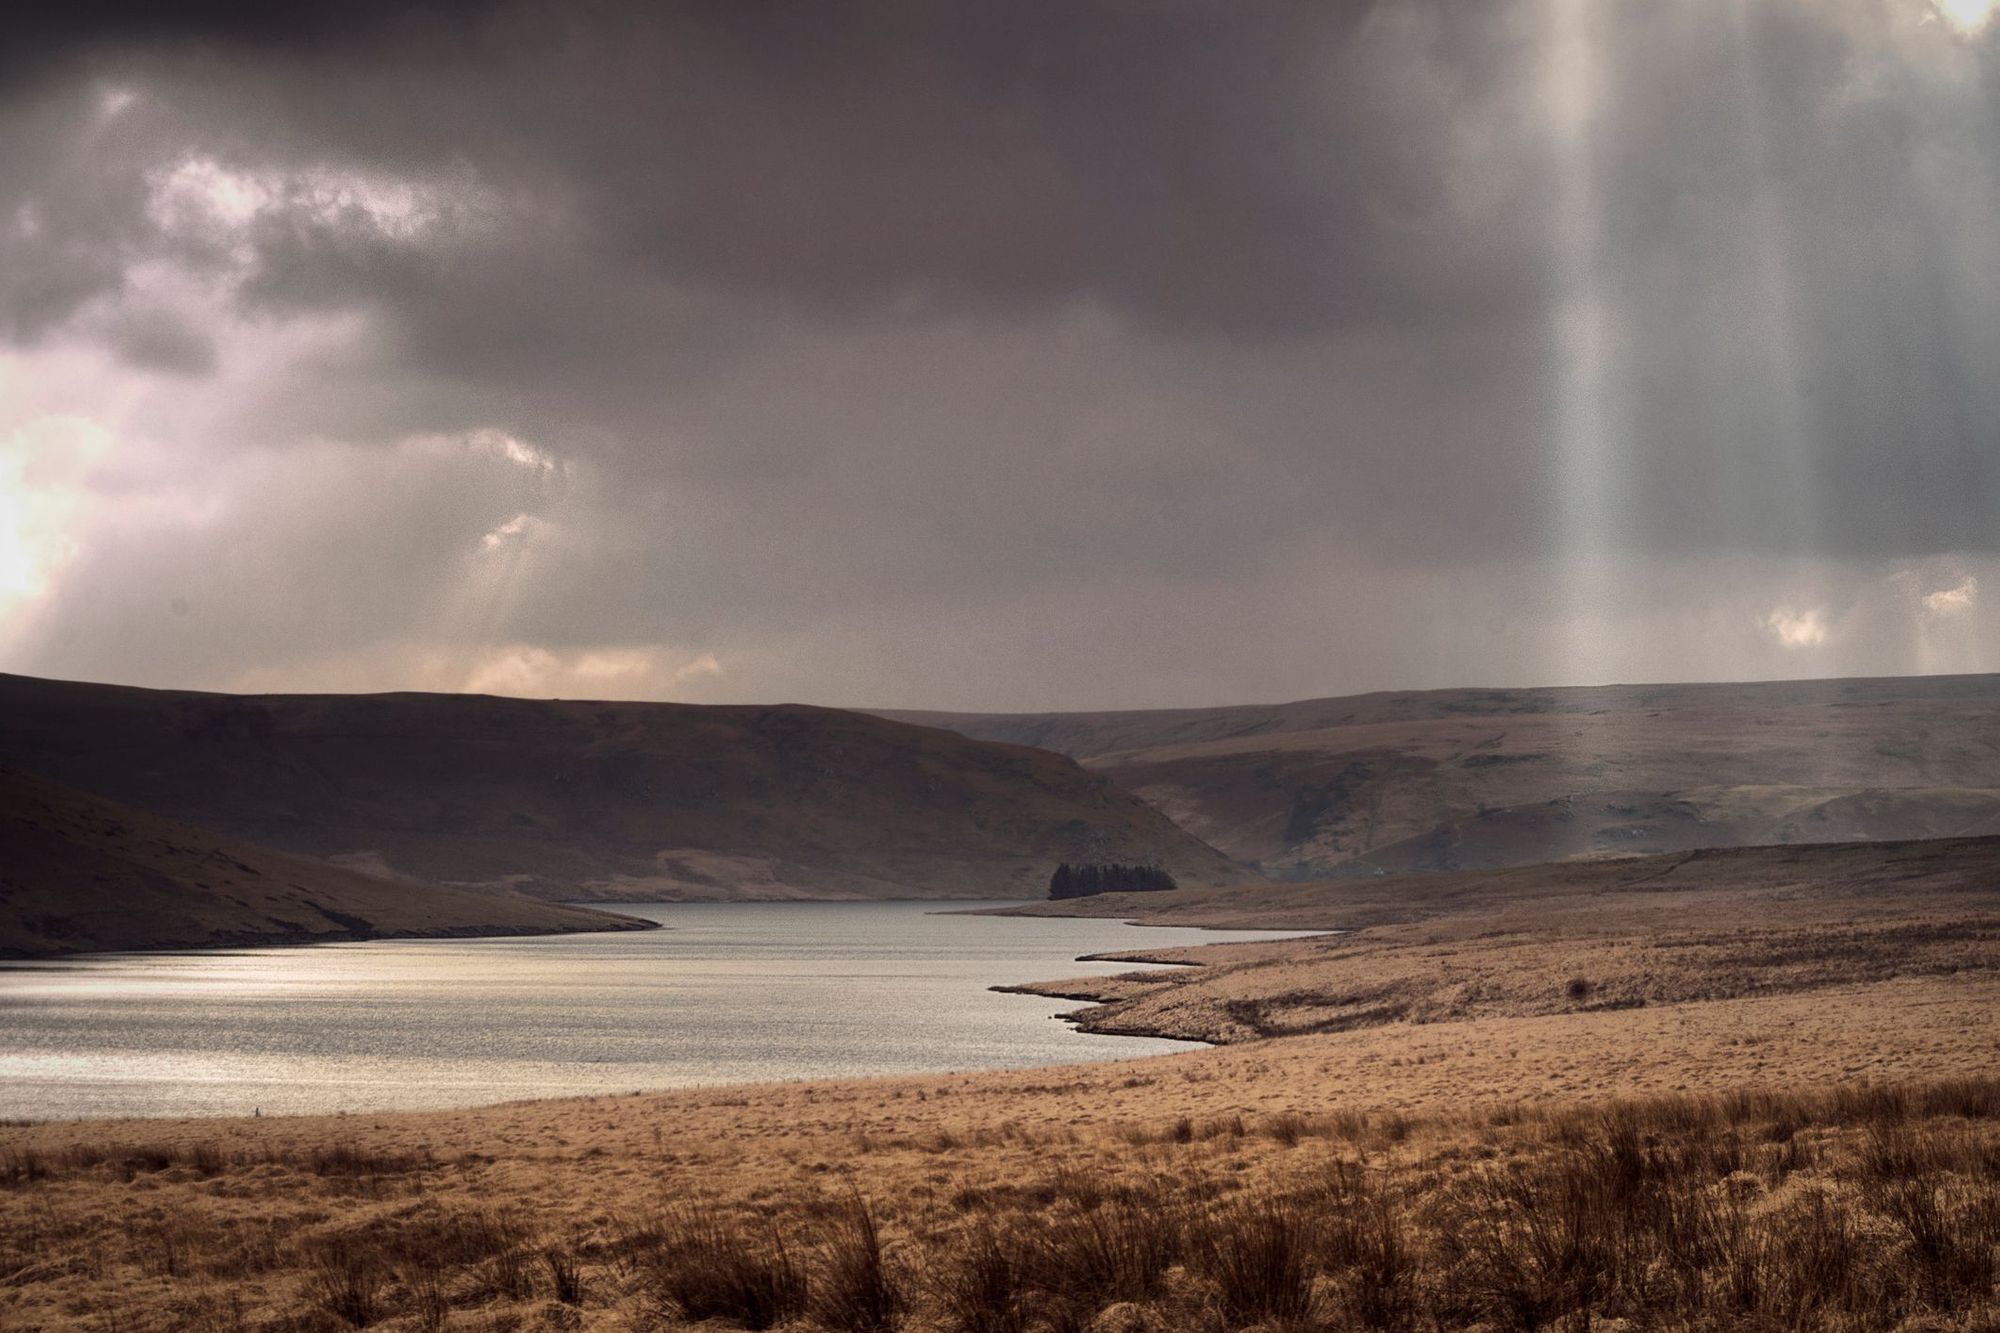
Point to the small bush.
(430, 1301)
(1366, 1246)
(142, 1159)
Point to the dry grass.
(1366, 1177)
(1858, 1207)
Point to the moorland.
(1774, 1103)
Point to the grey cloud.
(153, 338)
(1266, 167)
(64, 226)
(1263, 174)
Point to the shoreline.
(1100, 1002)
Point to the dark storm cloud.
(1257, 168)
(933, 310)
(41, 40)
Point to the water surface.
(728, 993)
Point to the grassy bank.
(1553, 940)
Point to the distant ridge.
(1484, 778)
(608, 800)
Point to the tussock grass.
(979, 1284)
(345, 1278)
(1261, 1256)
(705, 1264)
(346, 1159)
(565, 1275)
(856, 1290)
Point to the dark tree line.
(1082, 881)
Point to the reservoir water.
(727, 993)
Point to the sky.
(1053, 354)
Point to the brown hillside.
(598, 799)
(81, 874)
(1460, 779)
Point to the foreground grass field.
(1822, 1160)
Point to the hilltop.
(577, 799)
(1463, 779)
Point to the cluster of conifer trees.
(1081, 881)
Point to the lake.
(728, 993)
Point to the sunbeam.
(1584, 336)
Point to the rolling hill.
(1465, 779)
(605, 800)
(79, 873)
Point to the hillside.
(606, 800)
(1453, 779)
(81, 874)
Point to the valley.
(1472, 779)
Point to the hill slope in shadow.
(79, 873)
(607, 800)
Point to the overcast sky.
(1032, 355)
